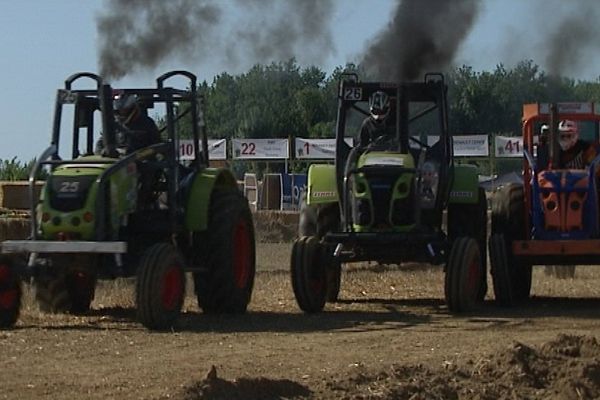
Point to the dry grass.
(361, 283)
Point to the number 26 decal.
(353, 93)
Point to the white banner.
(217, 149)
(568, 108)
(507, 146)
(248, 149)
(471, 145)
(466, 145)
(317, 148)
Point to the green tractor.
(386, 202)
(147, 213)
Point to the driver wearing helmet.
(139, 129)
(378, 123)
(575, 153)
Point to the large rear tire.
(160, 287)
(504, 289)
(225, 285)
(508, 216)
(508, 211)
(309, 277)
(463, 281)
(10, 294)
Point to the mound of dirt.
(565, 368)
(213, 387)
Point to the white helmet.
(379, 105)
(568, 134)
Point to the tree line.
(284, 99)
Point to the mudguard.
(200, 190)
(465, 187)
(321, 183)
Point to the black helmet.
(125, 106)
(379, 105)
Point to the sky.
(43, 42)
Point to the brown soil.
(389, 337)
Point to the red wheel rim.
(9, 295)
(242, 254)
(172, 288)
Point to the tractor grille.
(403, 212)
(381, 191)
(69, 193)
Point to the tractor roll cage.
(432, 89)
(551, 114)
(86, 101)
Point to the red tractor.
(552, 218)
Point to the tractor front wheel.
(160, 287)
(463, 278)
(10, 294)
(309, 276)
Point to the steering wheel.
(417, 141)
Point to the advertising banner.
(471, 145)
(507, 146)
(293, 185)
(217, 149)
(260, 149)
(317, 149)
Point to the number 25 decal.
(69, 187)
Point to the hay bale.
(14, 228)
(275, 226)
(15, 194)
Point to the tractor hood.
(386, 158)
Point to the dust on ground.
(389, 337)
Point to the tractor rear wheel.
(309, 277)
(10, 294)
(508, 211)
(463, 275)
(508, 215)
(160, 287)
(504, 288)
(225, 285)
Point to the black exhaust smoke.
(140, 34)
(423, 36)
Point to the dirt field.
(390, 337)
